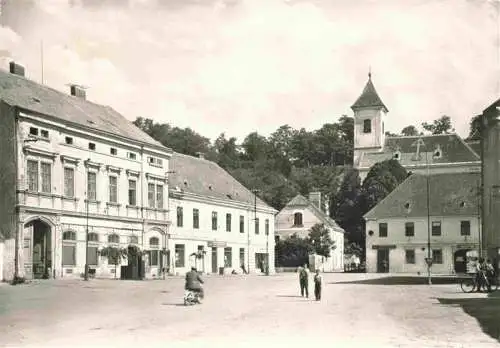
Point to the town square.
(357, 310)
(249, 173)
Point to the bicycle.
(469, 284)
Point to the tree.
(114, 255)
(409, 131)
(320, 241)
(475, 128)
(292, 252)
(440, 126)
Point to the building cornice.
(436, 165)
(30, 150)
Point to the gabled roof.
(451, 194)
(206, 178)
(302, 202)
(475, 146)
(19, 91)
(451, 147)
(369, 97)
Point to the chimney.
(200, 155)
(78, 91)
(16, 69)
(315, 198)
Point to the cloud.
(243, 65)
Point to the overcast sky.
(236, 66)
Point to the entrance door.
(214, 260)
(460, 261)
(382, 260)
(38, 238)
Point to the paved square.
(239, 311)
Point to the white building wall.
(449, 242)
(204, 236)
(64, 213)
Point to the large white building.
(442, 153)
(217, 218)
(299, 216)
(400, 228)
(70, 165)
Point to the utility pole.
(254, 191)
(86, 272)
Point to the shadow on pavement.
(485, 310)
(173, 304)
(296, 296)
(402, 280)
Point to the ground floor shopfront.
(219, 257)
(411, 258)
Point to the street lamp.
(254, 191)
(267, 247)
(86, 271)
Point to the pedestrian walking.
(304, 281)
(318, 280)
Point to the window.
(228, 222)
(92, 146)
(180, 217)
(113, 151)
(367, 126)
(46, 169)
(242, 256)
(92, 255)
(113, 189)
(132, 192)
(179, 255)
(69, 182)
(257, 226)
(69, 248)
(44, 133)
(91, 186)
(266, 227)
(32, 175)
(242, 224)
(69, 140)
(134, 240)
(34, 131)
(214, 221)
(131, 155)
(196, 218)
(382, 229)
(409, 229)
(114, 238)
(437, 256)
(156, 162)
(297, 219)
(436, 228)
(159, 196)
(154, 252)
(151, 195)
(410, 256)
(465, 228)
(228, 257)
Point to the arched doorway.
(37, 249)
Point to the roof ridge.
(423, 135)
(469, 147)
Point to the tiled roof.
(451, 194)
(205, 178)
(450, 146)
(19, 91)
(301, 201)
(369, 98)
(475, 146)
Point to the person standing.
(304, 281)
(318, 279)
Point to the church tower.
(369, 114)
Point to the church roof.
(451, 194)
(369, 97)
(442, 148)
(301, 201)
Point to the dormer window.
(407, 205)
(367, 126)
(397, 155)
(437, 154)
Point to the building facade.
(218, 225)
(299, 216)
(490, 136)
(443, 153)
(440, 210)
(72, 167)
